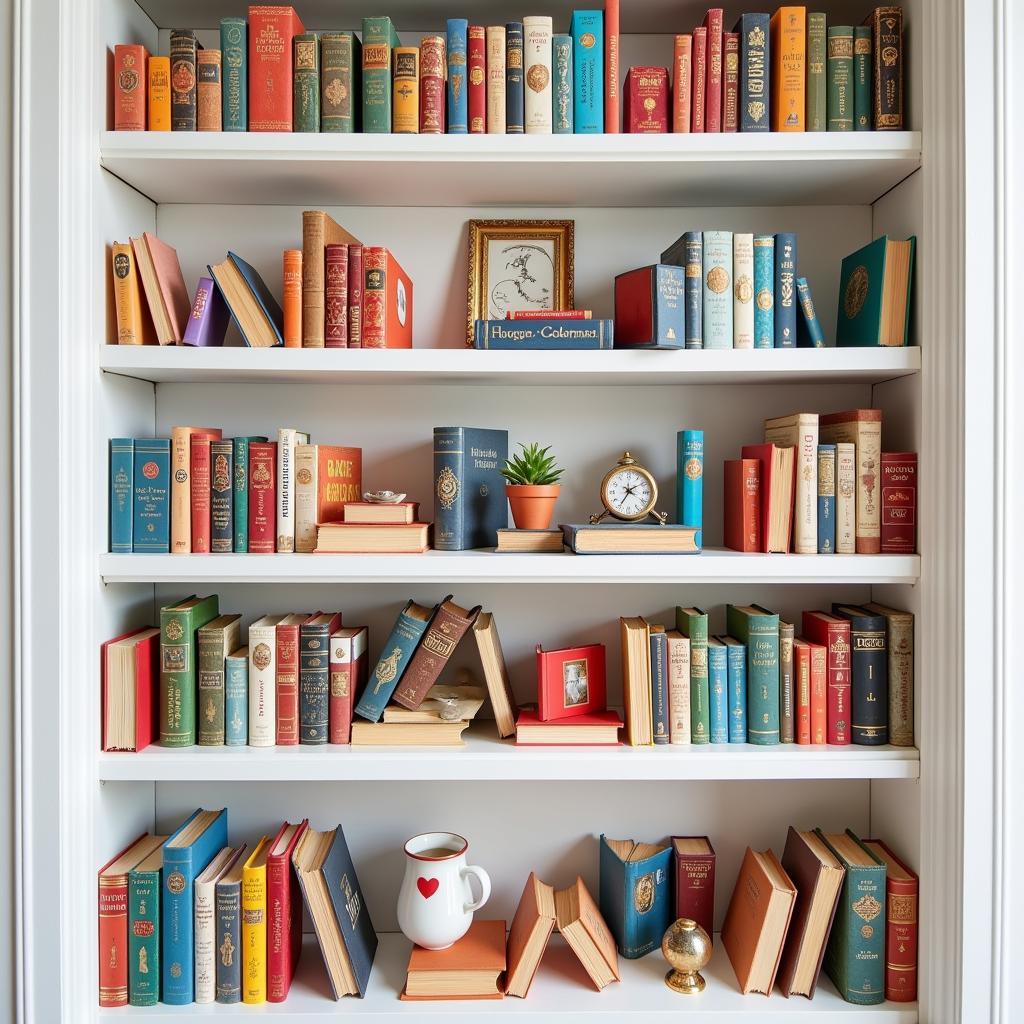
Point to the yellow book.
(127, 296)
(789, 68)
(254, 925)
(159, 94)
(405, 114)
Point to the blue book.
(458, 108)
(395, 656)
(659, 685)
(736, 668)
(196, 842)
(718, 690)
(122, 494)
(758, 629)
(826, 499)
(151, 510)
(808, 329)
(785, 290)
(227, 909)
(587, 31)
(634, 894)
(754, 91)
(690, 479)
(687, 252)
(234, 38)
(764, 291)
(561, 84)
(236, 698)
(543, 334)
(470, 506)
(718, 299)
(514, 97)
(271, 334)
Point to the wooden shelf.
(805, 169)
(179, 364)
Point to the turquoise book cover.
(635, 895)
(690, 479)
(785, 290)
(240, 505)
(718, 690)
(234, 46)
(587, 31)
(758, 629)
(236, 698)
(764, 291)
(561, 85)
(144, 931)
(861, 288)
(458, 103)
(718, 298)
(736, 670)
(151, 510)
(122, 494)
(808, 327)
(693, 623)
(379, 41)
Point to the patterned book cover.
(254, 925)
(208, 90)
(887, 60)
(694, 863)
(645, 108)
(718, 289)
(495, 74)
(271, 31)
(862, 428)
(208, 321)
(199, 487)
(817, 79)
(899, 641)
(341, 58)
(514, 94)
(718, 691)
(802, 689)
(379, 39)
(690, 479)
(122, 493)
(612, 73)
(183, 48)
(406, 91)
(755, 60)
(222, 493)
(743, 504)
(901, 896)
(433, 72)
(846, 498)
(314, 676)
(785, 290)
(215, 641)
(808, 327)
(159, 94)
(263, 681)
(764, 291)
(839, 76)
(144, 930)
(730, 81)
(699, 68)
(826, 499)
(682, 72)
(228, 917)
(286, 678)
(562, 85)
(743, 290)
(587, 31)
(240, 500)
(458, 100)
(288, 439)
(678, 687)
(179, 625)
(788, 68)
(713, 23)
(899, 503)
(635, 894)
(758, 629)
(336, 296)
(236, 698)
(476, 86)
(130, 87)
(833, 633)
(234, 46)
(284, 911)
(736, 671)
(306, 83)
(693, 623)
(537, 74)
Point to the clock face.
(629, 493)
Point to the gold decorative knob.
(687, 948)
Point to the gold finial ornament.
(687, 948)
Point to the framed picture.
(570, 681)
(518, 265)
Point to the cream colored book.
(288, 438)
(499, 686)
(743, 290)
(408, 734)
(537, 74)
(800, 432)
(263, 681)
(862, 428)
(205, 937)
(678, 687)
(495, 79)
(846, 498)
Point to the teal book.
(122, 494)
(826, 499)
(764, 291)
(379, 39)
(151, 510)
(469, 491)
(808, 327)
(785, 290)
(236, 698)
(587, 31)
(240, 498)
(144, 930)
(341, 57)
(561, 85)
(234, 96)
(635, 894)
(758, 629)
(718, 298)
(862, 78)
(736, 668)
(659, 684)
(874, 298)
(855, 954)
(718, 690)
(306, 83)
(690, 479)
(693, 623)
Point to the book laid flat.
(529, 540)
(164, 287)
(570, 681)
(636, 679)
(458, 703)
(901, 886)
(583, 927)
(499, 686)
(599, 728)
(284, 911)
(757, 920)
(129, 668)
(547, 335)
(408, 734)
(694, 859)
(634, 893)
(206, 925)
(818, 877)
(630, 539)
(874, 294)
(253, 307)
(528, 936)
(372, 538)
(469, 969)
(144, 929)
(228, 920)
(337, 909)
(371, 512)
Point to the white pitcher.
(435, 904)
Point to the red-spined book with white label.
(833, 634)
(349, 669)
(570, 682)
(284, 912)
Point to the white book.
(800, 432)
(205, 937)
(306, 485)
(495, 79)
(743, 290)
(846, 498)
(263, 681)
(537, 74)
(678, 688)
(287, 439)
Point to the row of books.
(848, 677)
(188, 918)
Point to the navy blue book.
(718, 690)
(227, 909)
(151, 509)
(869, 675)
(458, 107)
(650, 307)
(122, 494)
(659, 684)
(253, 304)
(826, 499)
(470, 506)
(635, 897)
(509, 335)
(736, 670)
(754, 90)
(514, 97)
(808, 328)
(785, 290)
(687, 252)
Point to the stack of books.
(368, 527)
(547, 329)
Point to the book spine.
(221, 496)
(287, 439)
(900, 642)
(646, 103)
(496, 100)
(205, 943)
(587, 78)
(693, 288)
(869, 678)
(292, 297)
(866, 436)
(447, 627)
(183, 81)
(208, 91)
(802, 672)
(846, 498)
(899, 503)
(314, 679)
(211, 687)
(518, 333)
(342, 682)
(130, 87)
(177, 679)
(271, 30)
(449, 505)
(279, 926)
(826, 499)
(177, 924)
(679, 690)
(151, 519)
(764, 290)
(855, 956)
(113, 940)
(561, 91)
(736, 674)
(612, 80)
(660, 721)
(262, 681)
(840, 78)
(254, 935)
(377, 33)
(458, 102)
(718, 290)
(743, 290)
(229, 950)
(122, 493)
(809, 332)
(788, 65)
(818, 82)
(700, 698)
(887, 60)
(406, 91)
(682, 56)
(537, 74)
(713, 72)
(901, 939)
(395, 657)
(355, 296)
(236, 701)
(159, 76)
(695, 889)
(374, 313)
(306, 83)
(339, 81)
(336, 291)
(143, 938)
(785, 290)
(181, 496)
(862, 78)
(433, 68)
(240, 478)
(718, 693)
(476, 86)
(699, 75)
(730, 81)
(690, 474)
(787, 684)
(286, 684)
(763, 684)
(839, 683)
(754, 73)
(199, 487)
(234, 38)
(819, 694)
(514, 94)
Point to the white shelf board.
(181, 364)
(712, 565)
(560, 992)
(775, 169)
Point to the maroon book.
(349, 668)
(570, 682)
(730, 81)
(743, 504)
(355, 296)
(899, 503)
(713, 71)
(646, 109)
(698, 75)
(262, 497)
(284, 912)
(833, 633)
(476, 93)
(694, 858)
(336, 296)
(900, 925)
(199, 485)
(432, 88)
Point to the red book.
(768, 457)
(900, 925)
(199, 481)
(730, 81)
(432, 72)
(349, 666)
(611, 68)
(355, 296)
(147, 672)
(284, 912)
(682, 78)
(713, 71)
(600, 729)
(262, 497)
(549, 314)
(272, 27)
(743, 504)
(286, 678)
(476, 92)
(694, 859)
(698, 74)
(646, 101)
(833, 634)
(899, 503)
(131, 83)
(802, 677)
(387, 300)
(819, 693)
(336, 296)
(570, 682)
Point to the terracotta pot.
(533, 505)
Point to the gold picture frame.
(536, 268)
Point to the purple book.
(208, 321)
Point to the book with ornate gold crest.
(469, 491)
(635, 893)
(874, 294)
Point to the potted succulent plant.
(532, 486)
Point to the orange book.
(802, 674)
(327, 476)
(130, 87)
(469, 969)
(159, 71)
(789, 60)
(293, 298)
(681, 78)
(529, 934)
(405, 112)
(133, 324)
(819, 693)
(387, 301)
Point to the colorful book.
(256, 312)
(134, 324)
(179, 625)
(284, 912)
(458, 101)
(808, 327)
(899, 503)
(787, 684)
(306, 83)
(840, 78)
(764, 290)
(743, 504)
(433, 72)
(562, 84)
(645, 108)
(693, 860)
(713, 23)
(341, 59)
(899, 642)
(775, 469)
(129, 668)
(240, 498)
(183, 48)
(743, 290)
(254, 924)
(693, 623)
(228, 917)
(130, 87)
(802, 689)
(755, 61)
(587, 31)
(833, 634)
(736, 674)
(208, 90)
(537, 74)
(718, 691)
(819, 693)
(262, 502)
(144, 929)
(634, 893)
(199, 488)
(874, 294)
(758, 630)
(315, 676)
(869, 675)
(800, 431)
(159, 94)
(514, 95)
(163, 285)
(635, 635)
(476, 89)
(862, 428)
(263, 681)
(659, 685)
(208, 322)
(495, 74)
(690, 479)
(286, 678)
(649, 307)
(215, 641)
(901, 885)
(718, 289)
(818, 82)
(826, 499)
(887, 62)
(730, 81)
(236, 698)
(678, 687)
(222, 496)
(469, 490)
(349, 654)
(546, 335)
(405, 117)
(122, 493)
(205, 925)
(785, 290)
(612, 86)
(234, 46)
(789, 49)
(862, 78)
(272, 27)
(846, 498)
(570, 681)
(379, 39)
(699, 71)
(319, 230)
(682, 81)
(528, 935)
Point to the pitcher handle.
(485, 887)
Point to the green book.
(240, 505)
(234, 39)
(693, 622)
(840, 78)
(306, 83)
(855, 955)
(817, 109)
(144, 929)
(758, 628)
(379, 39)
(862, 78)
(217, 639)
(340, 59)
(874, 294)
(179, 624)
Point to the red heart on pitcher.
(427, 886)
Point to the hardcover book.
(570, 681)
(159, 95)
(833, 633)
(597, 729)
(758, 629)
(537, 105)
(544, 334)
(144, 929)
(286, 678)
(262, 493)
(183, 49)
(649, 308)
(164, 286)
(179, 625)
(819, 693)
(291, 300)
(826, 499)
(800, 432)
(869, 675)
(840, 78)
(862, 428)
(690, 480)
(645, 101)
(818, 82)
(370, 538)
(755, 61)
(405, 118)
(687, 252)
(776, 474)
(284, 912)
(234, 46)
(678, 647)
(693, 624)
(713, 21)
(458, 98)
(659, 685)
(129, 668)
(718, 289)
(862, 78)
(785, 290)
(495, 75)
(635, 893)
(533, 541)
(587, 31)
(320, 230)
(341, 59)
(379, 40)
(271, 31)
(263, 681)
(306, 83)
(787, 684)
(236, 698)
(694, 864)
(257, 314)
(499, 686)
(699, 73)
(562, 84)
(134, 325)
(612, 88)
(199, 488)
(899, 503)
(130, 87)
(730, 81)
(240, 497)
(743, 290)
(528, 935)
(802, 688)
(682, 78)
(228, 918)
(208, 322)
(874, 294)
(736, 667)
(631, 539)
(899, 642)
(327, 476)
(887, 57)
(314, 676)
(635, 634)
(846, 498)
(151, 511)
(387, 301)
(584, 929)
(349, 654)
(216, 640)
(254, 924)
(471, 968)
(205, 925)
(718, 684)
(208, 90)
(743, 504)
(469, 490)
(901, 886)
(514, 94)
(788, 67)
(433, 72)
(808, 327)
(288, 439)
(764, 290)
